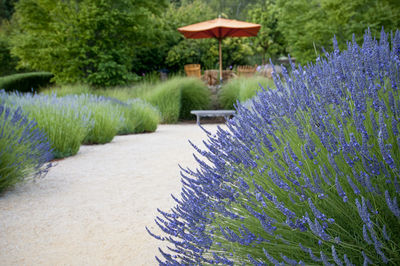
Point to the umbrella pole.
(220, 61)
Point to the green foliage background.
(308, 25)
(92, 41)
(105, 43)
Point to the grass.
(25, 82)
(106, 116)
(139, 117)
(174, 98)
(195, 96)
(241, 89)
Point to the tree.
(8, 63)
(90, 41)
(269, 42)
(6, 9)
(309, 25)
(183, 51)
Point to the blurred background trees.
(106, 42)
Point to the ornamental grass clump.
(176, 97)
(139, 116)
(309, 174)
(166, 97)
(64, 120)
(195, 96)
(241, 89)
(24, 149)
(107, 118)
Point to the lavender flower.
(340, 191)
(336, 257)
(392, 204)
(254, 182)
(272, 259)
(24, 149)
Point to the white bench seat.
(212, 113)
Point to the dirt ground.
(92, 208)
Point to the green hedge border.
(25, 82)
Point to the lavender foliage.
(306, 172)
(24, 149)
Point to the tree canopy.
(309, 25)
(111, 42)
(91, 41)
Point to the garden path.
(92, 208)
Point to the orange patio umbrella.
(220, 28)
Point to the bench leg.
(198, 119)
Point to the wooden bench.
(211, 113)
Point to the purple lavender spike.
(272, 259)
(366, 259)
(382, 125)
(378, 246)
(324, 259)
(353, 186)
(396, 184)
(336, 257)
(340, 191)
(394, 126)
(363, 212)
(347, 261)
(392, 204)
(289, 261)
(365, 235)
(309, 251)
(375, 126)
(384, 232)
(316, 212)
(324, 174)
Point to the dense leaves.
(308, 25)
(25, 82)
(91, 41)
(269, 42)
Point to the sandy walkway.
(92, 208)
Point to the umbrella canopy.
(220, 28)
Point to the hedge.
(25, 82)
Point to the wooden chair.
(246, 71)
(193, 70)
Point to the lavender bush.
(65, 121)
(308, 174)
(24, 149)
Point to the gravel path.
(92, 208)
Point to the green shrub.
(107, 117)
(65, 121)
(25, 82)
(24, 149)
(195, 96)
(167, 98)
(139, 117)
(8, 63)
(67, 89)
(241, 89)
(176, 97)
(140, 90)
